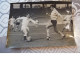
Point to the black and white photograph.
(40, 24)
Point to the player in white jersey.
(11, 23)
(67, 21)
(25, 26)
(54, 16)
(17, 24)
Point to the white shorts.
(24, 28)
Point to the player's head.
(52, 7)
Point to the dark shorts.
(72, 22)
(54, 22)
(17, 23)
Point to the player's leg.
(61, 33)
(18, 26)
(28, 36)
(23, 29)
(13, 27)
(68, 27)
(55, 29)
(25, 33)
(71, 25)
(10, 27)
(63, 28)
(47, 29)
(54, 22)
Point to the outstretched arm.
(20, 18)
(58, 13)
(33, 21)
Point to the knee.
(25, 33)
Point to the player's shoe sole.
(48, 38)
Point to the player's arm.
(34, 21)
(20, 18)
(58, 13)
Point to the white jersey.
(25, 22)
(68, 19)
(12, 20)
(67, 22)
(17, 20)
(54, 14)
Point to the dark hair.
(53, 6)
